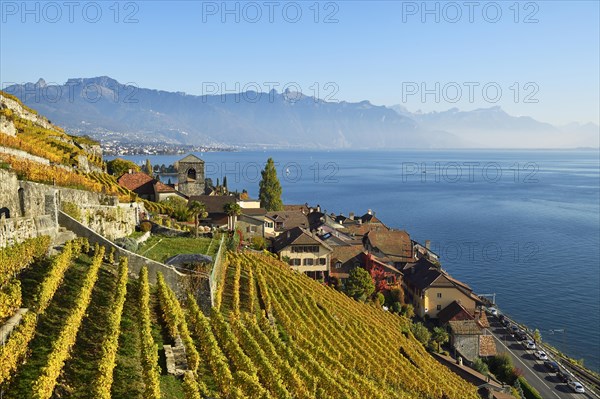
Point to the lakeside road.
(534, 371)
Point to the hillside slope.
(274, 333)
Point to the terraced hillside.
(93, 332)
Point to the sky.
(535, 58)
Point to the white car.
(541, 355)
(493, 311)
(576, 386)
(529, 344)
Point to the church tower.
(190, 176)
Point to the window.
(439, 307)
(309, 262)
(439, 294)
(338, 265)
(295, 262)
(322, 261)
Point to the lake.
(524, 225)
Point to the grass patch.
(136, 234)
(161, 248)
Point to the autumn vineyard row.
(273, 334)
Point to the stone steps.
(176, 358)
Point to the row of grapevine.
(149, 349)
(347, 347)
(110, 344)
(10, 298)
(44, 385)
(50, 174)
(173, 315)
(15, 349)
(209, 347)
(19, 256)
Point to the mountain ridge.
(102, 106)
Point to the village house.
(255, 222)
(430, 289)
(393, 247)
(147, 187)
(285, 220)
(469, 340)
(345, 258)
(304, 251)
(214, 205)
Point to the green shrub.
(128, 243)
(259, 243)
(421, 333)
(72, 210)
(529, 391)
(145, 226)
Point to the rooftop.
(296, 236)
(395, 244)
(464, 327)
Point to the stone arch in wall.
(4, 213)
(191, 175)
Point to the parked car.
(521, 335)
(514, 328)
(505, 322)
(529, 344)
(493, 311)
(540, 355)
(552, 366)
(562, 376)
(576, 386)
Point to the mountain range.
(104, 108)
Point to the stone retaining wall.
(172, 277)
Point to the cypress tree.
(269, 191)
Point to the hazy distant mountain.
(105, 108)
(493, 127)
(270, 119)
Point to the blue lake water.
(522, 224)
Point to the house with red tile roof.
(393, 247)
(147, 187)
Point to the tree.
(420, 332)
(408, 311)
(233, 210)
(225, 183)
(269, 192)
(149, 167)
(440, 337)
(481, 366)
(360, 284)
(119, 166)
(537, 336)
(198, 209)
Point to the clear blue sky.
(376, 51)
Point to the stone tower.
(190, 175)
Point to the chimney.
(428, 244)
(318, 208)
(370, 211)
(130, 171)
(351, 215)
